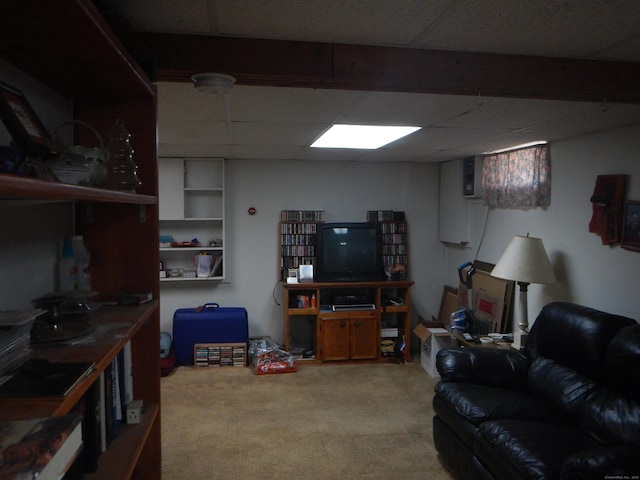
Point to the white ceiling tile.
(182, 101)
(534, 27)
(280, 123)
(343, 21)
(264, 152)
(194, 150)
(194, 131)
(280, 104)
(171, 16)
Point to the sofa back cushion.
(612, 412)
(574, 336)
(622, 363)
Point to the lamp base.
(519, 340)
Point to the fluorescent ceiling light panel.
(361, 136)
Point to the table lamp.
(524, 261)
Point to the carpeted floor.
(325, 422)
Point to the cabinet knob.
(342, 324)
(357, 324)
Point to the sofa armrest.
(606, 462)
(493, 367)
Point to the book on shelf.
(92, 428)
(102, 424)
(127, 299)
(112, 402)
(42, 448)
(40, 377)
(127, 362)
(385, 216)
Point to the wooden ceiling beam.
(369, 68)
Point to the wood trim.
(360, 67)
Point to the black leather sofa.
(567, 407)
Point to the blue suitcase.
(209, 323)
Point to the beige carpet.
(351, 422)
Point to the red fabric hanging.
(608, 202)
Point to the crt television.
(349, 252)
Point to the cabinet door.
(171, 188)
(352, 336)
(334, 338)
(364, 337)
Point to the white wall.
(589, 273)
(345, 190)
(29, 250)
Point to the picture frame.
(631, 226)
(22, 122)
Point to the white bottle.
(68, 269)
(82, 259)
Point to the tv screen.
(349, 252)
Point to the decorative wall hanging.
(631, 232)
(607, 205)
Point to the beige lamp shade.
(525, 260)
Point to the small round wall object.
(252, 211)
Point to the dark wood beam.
(360, 67)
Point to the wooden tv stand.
(350, 331)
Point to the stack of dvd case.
(15, 339)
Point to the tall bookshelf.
(298, 230)
(395, 247)
(42, 40)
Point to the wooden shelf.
(325, 285)
(13, 187)
(331, 341)
(70, 47)
(114, 327)
(120, 459)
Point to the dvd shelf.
(313, 216)
(395, 251)
(298, 238)
(394, 248)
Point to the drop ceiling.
(266, 122)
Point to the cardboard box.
(432, 340)
(491, 301)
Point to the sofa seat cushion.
(611, 418)
(560, 387)
(535, 450)
(478, 403)
(610, 462)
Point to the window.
(518, 178)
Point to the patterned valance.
(518, 178)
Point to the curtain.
(518, 178)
